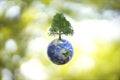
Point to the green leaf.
(60, 25)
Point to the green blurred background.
(24, 27)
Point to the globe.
(60, 51)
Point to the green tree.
(60, 25)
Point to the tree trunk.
(59, 35)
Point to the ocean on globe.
(60, 51)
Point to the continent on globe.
(60, 51)
(65, 53)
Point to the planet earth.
(60, 51)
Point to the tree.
(60, 26)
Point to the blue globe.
(60, 51)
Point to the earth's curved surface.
(60, 51)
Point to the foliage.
(60, 25)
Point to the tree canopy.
(60, 25)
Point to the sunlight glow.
(2, 6)
(13, 12)
(86, 62)
(88, 31)
(83, 63)
(33, 70)
(36, 45)
(6, 74)
(10, 45)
